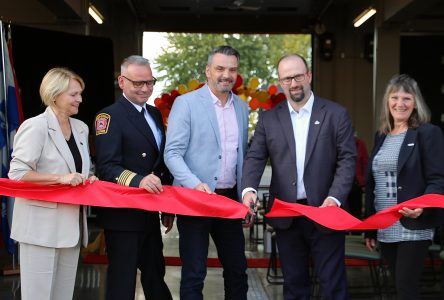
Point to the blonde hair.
(56, 82)
(420, 114)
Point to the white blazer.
(40, 146)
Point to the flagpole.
(14, 270)
(5, 92)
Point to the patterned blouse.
(384, 170)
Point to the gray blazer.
(193, 149)
(39, 146)
(330, 157)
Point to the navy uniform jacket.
(126, 151)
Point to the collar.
(307, 108)
(217, 101)
(137, 106)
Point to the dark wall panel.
(35, 51)
(422, 57)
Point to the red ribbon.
(336, 218)
(175, 200)
(183, 201)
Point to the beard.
(297, 98)
(223, 88)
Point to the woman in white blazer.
(51, 148)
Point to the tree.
(186, 55)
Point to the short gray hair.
(133, 60)
(224, 49)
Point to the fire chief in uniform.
(129, 151)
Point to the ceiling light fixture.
(364, 16)
(95, 14)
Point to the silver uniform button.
(143, 154)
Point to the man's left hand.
(152, 184)
(329, 202)
(92, 178)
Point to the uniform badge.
(102, 123)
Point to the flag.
(11, 116)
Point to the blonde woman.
(406, 162)
(51, 148)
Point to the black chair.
(355, 249)
(436, 253)
(274, 275)
(257, 234)
(441, 256)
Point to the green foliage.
(186, 55)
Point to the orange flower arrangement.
(251, 93)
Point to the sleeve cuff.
(248, 189)
(335, 200)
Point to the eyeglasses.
(297, 78)
(140, 84)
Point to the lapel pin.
(317, 122)
(411, 144)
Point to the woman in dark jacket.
(407, 161)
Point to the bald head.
(294, 57)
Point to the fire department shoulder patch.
(102, 123)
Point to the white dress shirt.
(300, 121)
(156, 131)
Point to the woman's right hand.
(72, 179)
(411, 213)
(370, 244)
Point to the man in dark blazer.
(310, 144)
(129, 144)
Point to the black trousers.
(228, 237)
(354, 201)
(302, 243)
(406, 262)
(129, 251)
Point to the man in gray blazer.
(309, 141)
(205, 147)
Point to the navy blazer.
(420, 171)
(330, 159)
(126, 151)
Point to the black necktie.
(151, 130)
